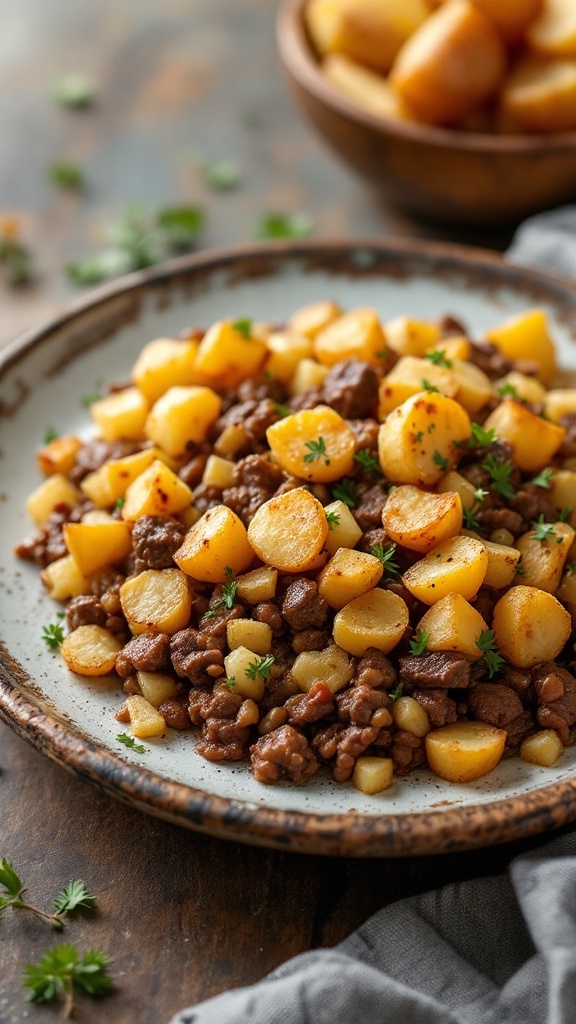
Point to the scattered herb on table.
(62, 971)
(419, 642)
(222, 175)
(285, 225)
(15, 257)
(93, 396)
(129, 741)
(490, 653)
(12, 890)
(67, 175)
(73, 90)
(50, 435)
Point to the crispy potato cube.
(258, 585)
(90, 651)
(356, 334)
(566, 593)
(315, 444)
(256, 636)
(453, 625)
(121, 415)
(163, 364)
(145, 720)
(289, 532)
(231, 440)
(59, 455)
(451, 64)
(502, 562)
(410, 337)
(420, 520)
(156, 492)
(530, 625)
(558, 402)
(156, 599)
(372, 775)
(408, 377)
(539, 94)
(553, 31)
(182, 415)
(219, 472)
(217, 542)
(226, 357)
(526, 336)
(458, 565)
(370, 32)
(157, 687)
(286, 349)
(464, 751)
(331, 666)
(241, 674)
(474, 387)
(308, 374)
(419, 441)
(544, 748)
(454, 482)
(543, 560)
(410, 716)
(314, 317)
(520, 385)
(94, 545)
(511, 17)
(55, 490)
(344, 531)
(106, 485)
(347, 575)
(367, 88)
(376, 619)
(454, 348)
(534, 441)
(64, 580)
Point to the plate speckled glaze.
(43, 377)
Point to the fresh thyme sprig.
(316, 450)
(12, 890)
(386, 556)
(261, 667)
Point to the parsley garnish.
(427, 386)
(418, 437)
(386, 556)
(73, 90)
(282, 410)
(543, 479)
(261, 667)
(74, 895)
(50, 435)
(345, 490)
(119, 504)
(571, 568)
(223, 175)
(470, 520)
(438, 358)
(507, 389)
(396, 692)
(61, 970)
(228, 595)
(243, 326)
(67, 175)
(481, 438)
(316, 450)
(543, 531)
(564, 515)
(369, 464)
(500, 473)
(53, 635)
(211, 614)
(490, 653)
(230, 681)
(285, 225)
(440, 460)
(333, 519)
(419, 642)
(129, 741)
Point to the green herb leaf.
(441, 461)
(316, 450)
(210, 614)
(119, 504)
(418, 437)
(285, 225)
(500, 473)
(543, 479)
(61, 969)
(396, 692)
(332, 519)
(481, 438)
(438, 358)
(129, 741)
(543, 531)
(261, 667)
(74, 895)
(564, 514)
(11, 883)
(53, 635)
(73, 90)
(427, 386)
(243, 326)
(223, 175)
(94, 396)
(470, 520)
(345, 490)
(507, 390)
(67, 176)
(570, 568)
(179, 227)
(368, 461)
(50, 435)
(229, 589)
(230, 681)
(16, 259)
(386, 556)
(282, 410)
(490, 653)
(419, 642)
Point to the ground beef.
(197, 656)
(309, 640)
(206, 496)
(357, 704)
(147, 652)
(307, 400)
(519, 680)
(258, 390)
(219, 703)
(48, 545)
(95, 453)
(191, 474)
(279, 688)
(256, 480)
(175, 714)
(567, 449)
(531, 502)
(107, 583)
(485, 601)
(559, 714)
(351, 388)
(269, 612)
(491, 519)
(375, 670)
(439, 670)
(223, 740)
(368, 510)
(257, 423)
(548, 682)
(283, 753)
(373, 537)
(302, 607)
(494, 703)
(450, 327)
(317, 703)
(439, 707)
(155, 540)
(366, 435)
(490, 360)
(407, 752)
(216, 622)
(343, 745)
(85, 610)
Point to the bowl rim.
(298, 57)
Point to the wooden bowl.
(438, 173)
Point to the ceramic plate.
(42, 380)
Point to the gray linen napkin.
(498, 950)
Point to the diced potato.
(156, 492)
(511, 17)
(526, 336)
(530, 625)
(157, 687)
(419, 441)
(256, 636)
(370, 32)
(94, 545)
(59, 455)
(156, 599)
(420, 520)
(121, 415)
(232, 439)
(226, 357)
(410, 337)
(453, 625)
(241, 673)
(344, 531)
(165, 363)
(289, 531)
(408, 377)
(553, 31)
(451, 64)
(332, 666)
(372, 775)
(520, 385)
(315, 444)
(258, 585)
(464, 751)
(544, 748)
(376, 619)
(182, 415)
(347, 575)
(64, 580)
(534, 441)
(502, 562)
(219, 472)
(308, 374)
(286, 349)
(97, 516)
(217, 542)
(90, 651)
(558, 402)
(145, 720)
(539, 94)
(357, 334)
(190, 516)
(456, 566)
(456, 483)
(106, 485)
(311, 319)
(566, 593)
(367, 88)
(474, 387)
(410, 716)
(543, 560)
(55, 490)
(457, 347)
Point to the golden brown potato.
(356, 334)
(502, 562)
(530, 625)
(544, 748)
(453, 482)
(121, 415)
(511, 17)
(369, 31)
(410, 716)
(544, 551)
(64, 580)
(331, 666)
(110, 482)
(257, 636)
(421, 439)
(534, 441)
(558, 402)
(157, 687)
(347, 575)
(377, 619)
(453, 625)
(458, 565)
(314, 317)
(365, 87)
(526, 336)
(553, 31)
(90, 650)
(314, 444)
(242, 674)
(59, 455)
(180, 416)
(258, 585)
(410, 337)
(227, 355)
(539, 94)
(344, 531)
(215, 546)
(373, 774)
(464, 751)
(409, 376)
(156, 599)
(288, 532)
(55, 490)
(145, 720)
(165, 363)
(420, 520)
(94, 545)
(157, 491)
(286, 349)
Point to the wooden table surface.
(178, 83)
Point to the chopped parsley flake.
(282, 410)
(261, 667)
(500, 473)
(490, 653)
(368, 462)
(316, 450)
(285, 225)
(427, 386)
(333, 519)
(481, 438)
(386, 556)
(438, 358)
(53, 635)
(129, 741)
(345, 490)
(543, 531)
(440, 460)
(419, 642)
(543, 479)
(243, 326)
(507, 390)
